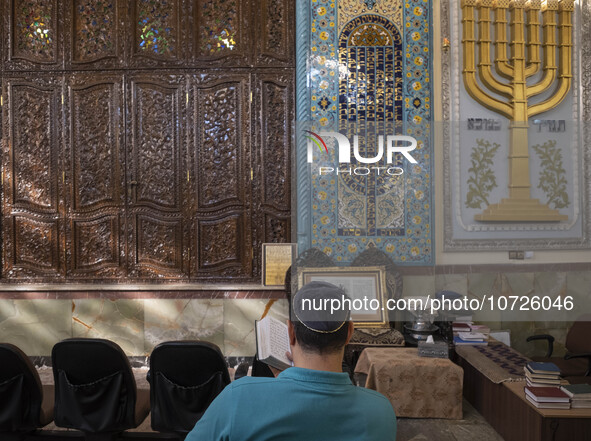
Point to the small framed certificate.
(277, 258)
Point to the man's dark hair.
(318, 331)
(312, 341)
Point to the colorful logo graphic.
(316, 139)
(390, 150)
(388, 147)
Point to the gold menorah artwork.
(514, 63)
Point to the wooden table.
(552, 424)
(506, 409)
(417, 387)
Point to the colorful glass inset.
(34, 30)
(94, 29)
(155, 21)
(218, 26)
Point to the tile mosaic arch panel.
(364, 69)
(370, 104)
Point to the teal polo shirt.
(300, 404)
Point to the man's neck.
(332, 362)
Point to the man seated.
(314, 400)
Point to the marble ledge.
(152, 294)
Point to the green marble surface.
(480, 284)
(578, 285)
(35, 325)
(517, 284)
(186, 319)
(137, 326)
(452, 282)
(121, 321)
(418, 286)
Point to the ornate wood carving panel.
(36, 247)
(112, 171)
(272, 186)
(95, 176)
(222, 250)
(274, 32)
(96, 247)
(158, 240)
(94, 33)
(222, 32)
(32, 199)
(33, 37)
(159, 32)
(157, 175)
(222, 169)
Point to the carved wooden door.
(273, 101)
(33, 192)
(95, 176)
(114, 172)
(222, 169)
(274, 33)
(157, 176)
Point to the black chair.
(185, 377)
(577, 361)
(260, 369)
(95, 391)
(25, 404)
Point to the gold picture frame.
(277, 258)
(357, 282)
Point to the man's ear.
(291, 333)
(350, 332)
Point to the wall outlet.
(516, 255)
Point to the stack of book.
(461, 327)
(547, 397)
(580, 395)
(480, 328)
(462, 323)
(542, 374)
(470, 338)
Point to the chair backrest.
(577, 339)
(260, 369)
(21, 393)
(185, 377)
(95, 390)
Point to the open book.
(272, 342)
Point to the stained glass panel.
(218, 26)
(94, 29)
(155, 26)
(34, 29)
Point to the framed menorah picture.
(515, 82)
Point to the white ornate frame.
(453, 244)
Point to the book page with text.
(278, 340)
